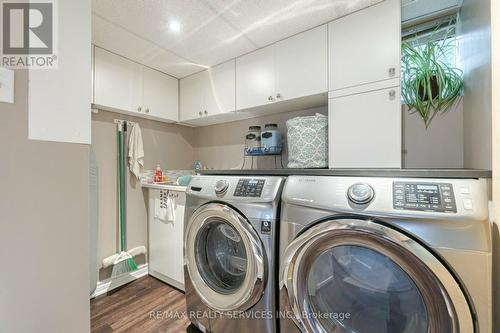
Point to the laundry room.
(274, 166)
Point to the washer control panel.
(249, 188)
(434, 197)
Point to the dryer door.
(225, 258)
(360, 276)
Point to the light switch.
(6, 85)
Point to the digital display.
(424, 196)
(428, 187)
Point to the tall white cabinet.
(166, 236)
(364, 82)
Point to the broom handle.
(124, 175)
(120, 187)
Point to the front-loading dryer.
(230, 253)
(385, 255)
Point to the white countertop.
(167, 187)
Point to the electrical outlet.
(6, 85)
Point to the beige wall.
(221, 146)
(44, 251)
(169, 145)
(439, 146)
(475, 47)
(495, 26)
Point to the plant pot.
(434, 90)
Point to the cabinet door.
(255, 78)
(302, 64)
(166, 238)
(160, 95)
(365, 130)
(220, 89)
(192, 102)
(118, 82)
(364, 47)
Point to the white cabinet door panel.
(302, 64)
(220, 88)
(160, 95)
(192, 99)
(255, 78)
(118, 81)
(365, 46)
(365, 130)
(166, 239)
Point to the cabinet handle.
(206, 112)
(392, 95)
(147, 110)
(270, 98)
(139, 109)
(278, 96)
(392, 72)
(200, 114)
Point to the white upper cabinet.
(365, 130)
(220, 88)
(160, 94)
(255, 78)
(192, 99)
(117, 82)
(302, 64)
(208, 93)
(292, 68)
(364, 47)
(123, 85)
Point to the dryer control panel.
(434, 197)
(249, 187)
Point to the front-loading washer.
(385, 255)
(230, 253)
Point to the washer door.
(359, 276)
(225, 258)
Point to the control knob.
(221, 187)
(360, 193)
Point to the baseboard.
(109, 284)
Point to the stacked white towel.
(136, 151)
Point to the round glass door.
(362, 290)
(357, 276)
(224, 258)
(221, 256)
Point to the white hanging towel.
(170, 209)
(136, 151)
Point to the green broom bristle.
(132, 265)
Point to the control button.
(360, 193)
(467, 204)
(221, 187)
(447, 200)
(465, 190)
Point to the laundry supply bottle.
(158, 178)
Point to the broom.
(123, 262)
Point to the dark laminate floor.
(130, 309)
